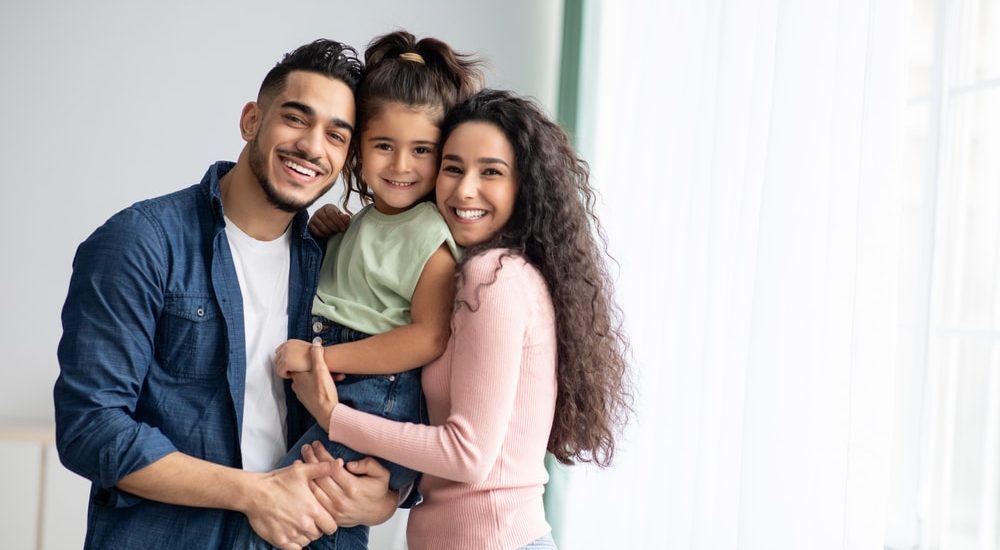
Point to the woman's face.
(477, 182)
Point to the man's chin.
(290, 204)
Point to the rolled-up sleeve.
(109, 323)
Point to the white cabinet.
(64, 509)
(20, 477)
(44, 506)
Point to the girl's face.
(399, 156)
(477, 183)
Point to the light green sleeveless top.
(371, 270)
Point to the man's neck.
(246, 205)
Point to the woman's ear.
(250, 120)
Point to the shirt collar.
(210, 182)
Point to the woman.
(536, 358)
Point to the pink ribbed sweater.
(491, 398)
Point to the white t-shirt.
(262, 269)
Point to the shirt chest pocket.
(191, 337)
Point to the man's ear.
(250, 120)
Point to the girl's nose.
(400, 161)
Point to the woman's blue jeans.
(541, 543)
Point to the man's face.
(299, 140)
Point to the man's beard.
(258, 166)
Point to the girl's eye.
(491, 172)
(423, 150)
(383, 147)
(452, 169)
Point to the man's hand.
(360, 496)
(282, 509)
(327, 221)
(315, 389)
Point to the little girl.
(386, 287)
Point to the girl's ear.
(250, 120)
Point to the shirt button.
(200, 312)
(317, 327)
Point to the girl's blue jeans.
(395, 396)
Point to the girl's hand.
(292, 357)
(327, 221)
(315, 389)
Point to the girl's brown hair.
(423, 74)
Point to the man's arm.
(109, 323)
(280, 504)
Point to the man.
(166, 398)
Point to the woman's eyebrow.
(480, 160)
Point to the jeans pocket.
(190, 337)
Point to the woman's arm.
(401, 349)
(485, 369)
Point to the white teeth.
(300, 169)
(400, 183)
(470, 214)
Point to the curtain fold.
(747, 156)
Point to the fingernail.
(317, 341)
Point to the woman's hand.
(355, 494)
(315, 388)
(327, 221)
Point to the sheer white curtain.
(747, 154)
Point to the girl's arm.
(401, 349)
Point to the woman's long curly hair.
(553, 226)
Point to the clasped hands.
(293, 506)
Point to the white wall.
(104, 103)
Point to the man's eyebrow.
(309, 111)
(341, 123)
(306, 110)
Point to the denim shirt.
(152, 360)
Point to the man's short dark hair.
(325, 57)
